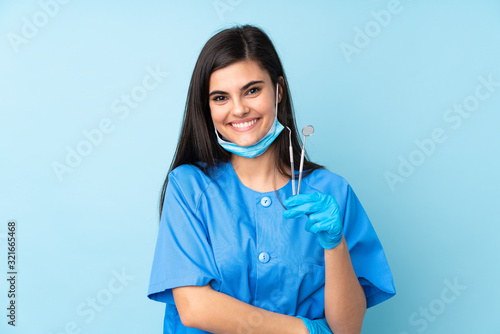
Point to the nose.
(239, 108)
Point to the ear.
(281, 82)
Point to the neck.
(259, 173)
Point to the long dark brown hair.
(198, 144)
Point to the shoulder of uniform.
(328, 182)
(187, 183)
(326, 176)
(189, 175)
(193, 177)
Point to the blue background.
(80, 229)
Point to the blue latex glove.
(323, 216)
(316, 326)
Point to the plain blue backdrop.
(404, 96)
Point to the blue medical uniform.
(216, 230)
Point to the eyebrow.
(251, 83)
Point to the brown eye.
(253, 90)
(219, 98)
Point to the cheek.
(265, 107)
(217, 115)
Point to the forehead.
(237, 75)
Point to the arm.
(212, 311)
(345, 301)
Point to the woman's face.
(242, 101)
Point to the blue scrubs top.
(216, 230)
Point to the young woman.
(237, 252)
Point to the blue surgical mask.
(259, 147)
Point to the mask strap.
(276, 107)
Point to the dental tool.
(291, 161)
(306, 131)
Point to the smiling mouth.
(243, 125)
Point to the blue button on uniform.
(264, 257)
(265, 201)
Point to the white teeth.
(244, 125)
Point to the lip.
(244, 121)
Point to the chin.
(249, 142)
(245, 144)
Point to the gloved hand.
(323, 216)
(316, 326)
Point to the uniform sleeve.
(367, 255)
(183, 254)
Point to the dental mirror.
(291, 159)
(306, 131)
